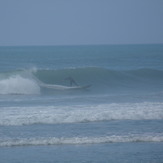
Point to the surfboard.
(81, 87)
(61, 87)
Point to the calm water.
(118, 119)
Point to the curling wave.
(103, 80)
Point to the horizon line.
(41, 45)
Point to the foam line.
(81, 140)
(80, 113)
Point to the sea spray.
(17, 84)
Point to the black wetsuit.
(72, 81)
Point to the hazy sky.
(71, 22)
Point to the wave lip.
(81, 140)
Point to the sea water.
(119, 119)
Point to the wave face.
(101, 79)
(80, 113)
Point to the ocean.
(117, 119)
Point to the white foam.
(18, 85)
(81, 140)
(80, 113)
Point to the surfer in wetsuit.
(72, 81)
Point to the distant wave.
(28, 81)
(80, 113)
(82, 140)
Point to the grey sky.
(71, 22)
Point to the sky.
(80, 22)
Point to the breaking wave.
(28, 81)
(80, 113)
(81, 140)
(18, 85)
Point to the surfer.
(72, 81)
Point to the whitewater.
(80, 113)
(43, 119)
